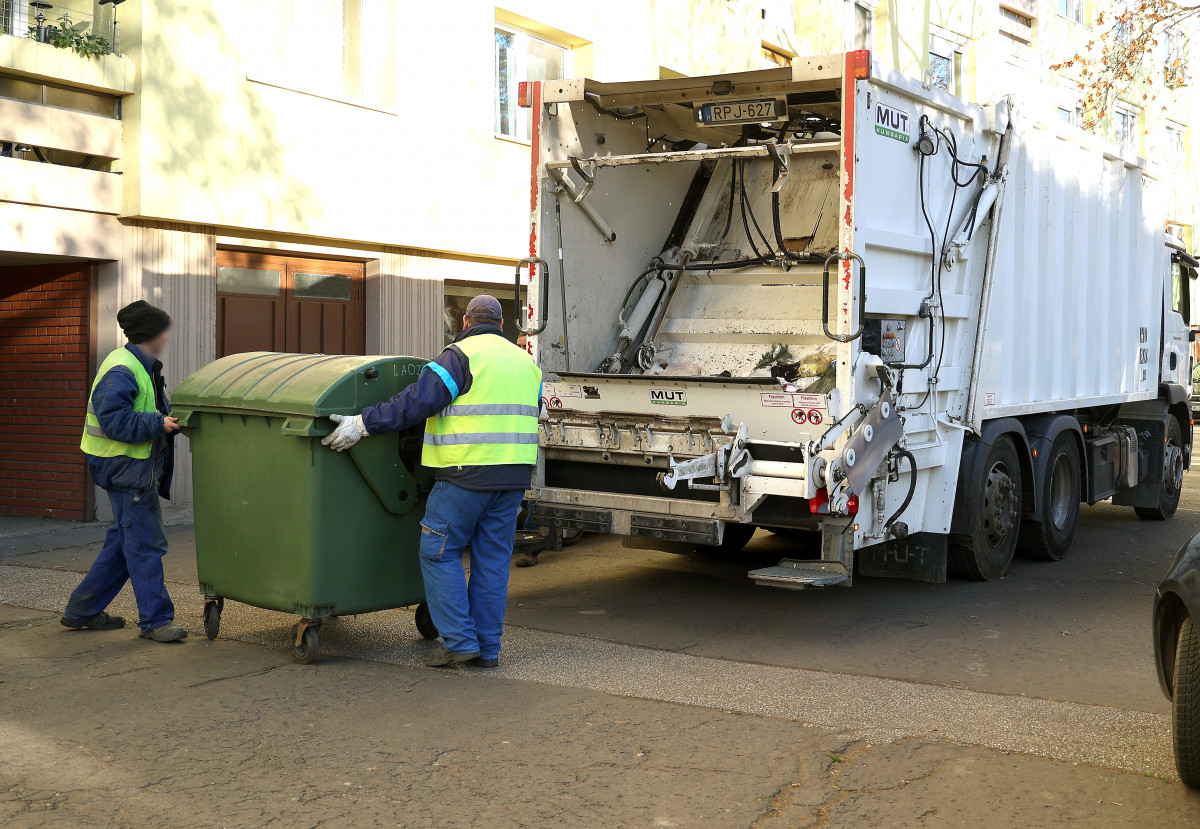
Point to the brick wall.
(43, 391)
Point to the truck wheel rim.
(1060, 492)
(998, 504)
(1173, 468)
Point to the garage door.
(44, 380)
(287, 303)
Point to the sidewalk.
(103, 730)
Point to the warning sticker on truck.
(891, 122)
(788, 401)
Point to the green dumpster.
(285, 523)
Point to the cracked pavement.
(637, 689)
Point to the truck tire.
(994, 500)
(736, 537)
(1185, 705)
(1050, 538)
(1172, 482)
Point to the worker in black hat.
(128, 438)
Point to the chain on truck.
(835, 303)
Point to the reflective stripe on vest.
(496, 421)
(94, 441)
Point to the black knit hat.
(142, 321)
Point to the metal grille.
(63, 25)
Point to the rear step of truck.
(797, 575)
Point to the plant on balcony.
(74, 36)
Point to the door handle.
(862, 296)
(533, 261)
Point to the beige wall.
(207, 145)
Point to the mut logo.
(891, 122)
(668, 397)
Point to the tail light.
(819, 501)
(819, 504)
(860, 64)
(524, 92)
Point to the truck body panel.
(731, 313)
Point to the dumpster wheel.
(305, 641)
(425, 625)
(212, 616)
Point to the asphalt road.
(1054, 661)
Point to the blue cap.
(485, 307)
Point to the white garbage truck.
(910, 332)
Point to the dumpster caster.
(305, 642)
(425, 625)
(212, 617)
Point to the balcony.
(64, 42)
(63, 25)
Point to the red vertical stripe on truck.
(848, 113)
(535, 121)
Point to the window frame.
(1126, 143)
(853, 7)
(278, 74)
(521, 49)
(1064, 9)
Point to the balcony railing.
(63, 25)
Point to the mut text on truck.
(827, 298)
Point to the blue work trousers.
(133, 551)
(468, 615)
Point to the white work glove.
(350, 430)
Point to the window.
(1066, 116)
(941, 72)
(1180, 289)
(863, 25)
(1125, 124)
(522, 57)
(1071, 9)
(81, 100)
(457, 295)
(317, 48)
(1173, 152)
(1175, 63)
(1016, 25)
(945, 60)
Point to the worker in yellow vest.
(479, 400)
(127, 437)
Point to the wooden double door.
(268, 302)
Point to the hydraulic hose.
(912, 487)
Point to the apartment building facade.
(333, 176)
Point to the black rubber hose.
(742, 203)
(732, 264)
(732, 197)
(912, 488)
(747, 208)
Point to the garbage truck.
(912, 333)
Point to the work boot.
(101, 621)
(170, 632)
(439, 657)
(483, 662)
(525, 559)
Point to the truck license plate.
(740, 112)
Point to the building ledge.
(53, 185)
(115, 74)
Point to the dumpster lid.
(314, 385)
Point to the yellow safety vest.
(496, 421)
(94, 441)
